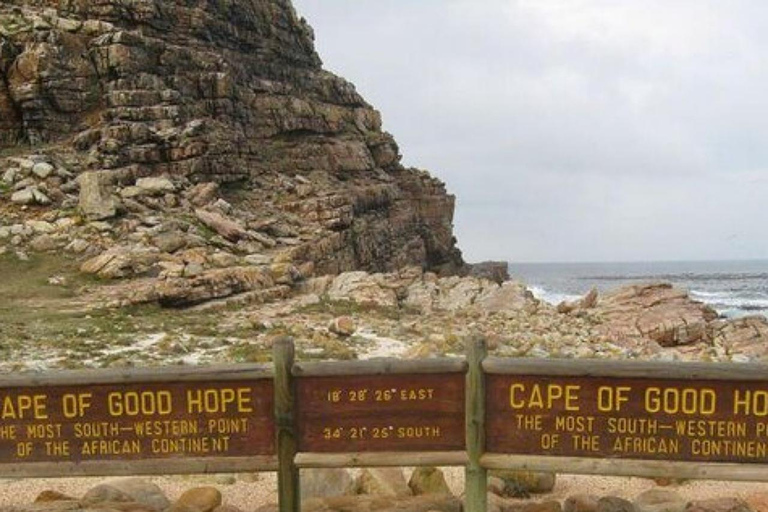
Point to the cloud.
(580, 129)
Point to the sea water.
(733, 288)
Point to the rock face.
(158, 97)
(660, 314)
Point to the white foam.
(553, 298)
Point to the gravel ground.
(251, 491)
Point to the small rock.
(44, 243)
(343, 326)
(226, 227)
(496, 485)
(49, 496)
(614, 504)
(40, 226)
(169, 242)
(193, 269)
(758, 501)
(257, 259)
(543, 506)
(523, 482)
(128, 489)
(383, 482)
(9, 176)
(326, 483)
(202, 194)
(155, 185)
(96, 199)
(57, 280)
(580, 503)
(428, 480)
(198, 499)
(29, 195)
(223, 259)
(42, 170)
(78, 246)
(660, 500)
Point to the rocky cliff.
(203, 125)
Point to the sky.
(573, 130)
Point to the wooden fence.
(576, 416)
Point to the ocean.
(733, 288)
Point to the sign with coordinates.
(381, 413)
(138, 421)
(635, 418)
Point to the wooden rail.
(691, 420)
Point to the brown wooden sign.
(135, 421)
(633, 418)
(405, 412)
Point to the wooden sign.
(628, 418)
(402, 412)
(157, 422)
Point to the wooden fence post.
(476, 477)
(287, 440)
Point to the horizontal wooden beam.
(184, 466)
(639, 369)
(626, 467)
(138, 375)
(383, 366)
(380, 459)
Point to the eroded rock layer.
(229, 92)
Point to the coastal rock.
(747, 336)
(496, 271)
(658, 312)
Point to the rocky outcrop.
(662, 314)
(213, 114)
(659, 312)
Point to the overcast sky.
(573, 130)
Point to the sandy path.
(250, 491)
